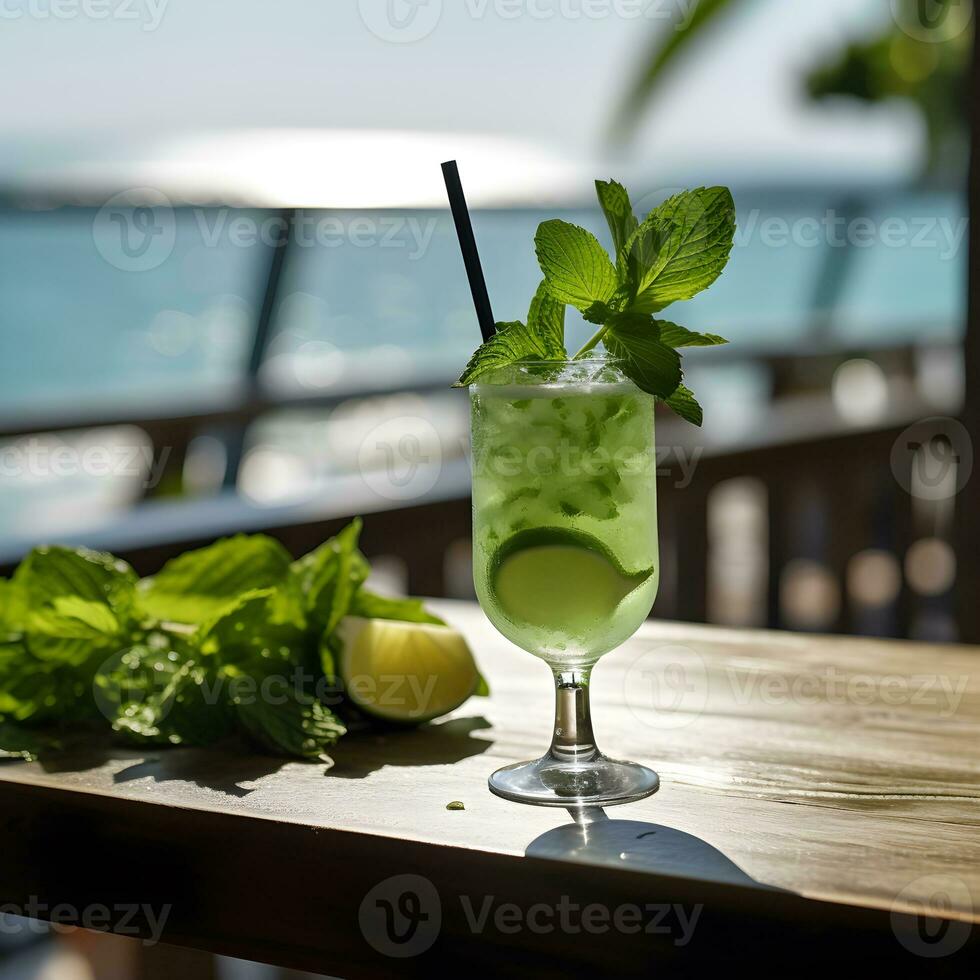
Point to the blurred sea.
(383, 295)
(155, 312)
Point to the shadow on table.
(223, 767)
(358, 755)
(222, 771)
(229, 767)
(595, 838)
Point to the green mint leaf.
(156, 693)
(301, 726)
(72, 649)
(329, 577)
(650, 363)
(674, 336)
(546, 318)
(198, 585)
(248, 631)
(683, 402)
(372, 606)
(353, 571)
(602, 313)
(13, 608)
(329, 649)
(95, 615)
(49, 573)
(615, 203)
(71, 630)
(17, 742)
(681, 247)
(513, 342)
(598, 313)
(42, 691)
(543, 339)
(575, 266)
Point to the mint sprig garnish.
(678, 250)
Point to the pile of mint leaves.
(188, 656)
(679, 249)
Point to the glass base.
(551, 781)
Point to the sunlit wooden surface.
(836, 769)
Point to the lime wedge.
(405, 672)
(552, 578)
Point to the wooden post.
(968, 501)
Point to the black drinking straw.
(467, 245)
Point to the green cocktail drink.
(564, 508)
(565, 547)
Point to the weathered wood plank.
(841, 770)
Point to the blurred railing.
(814, 525)
(807, 520)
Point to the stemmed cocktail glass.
(565, 549)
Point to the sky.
(546, 73)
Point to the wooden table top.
(803, 778)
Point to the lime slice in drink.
(404, 672)
(555, 578)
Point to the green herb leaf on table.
(17, 742)
(71, 630)
(372, 606)
(246, 630)
(197, 585)
(156, 693)
(182, 658)
(329, 577)
(299, 726)
(50, 572)
(28, 685)
(43, 691)
(13, 608)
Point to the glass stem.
(573, 740)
